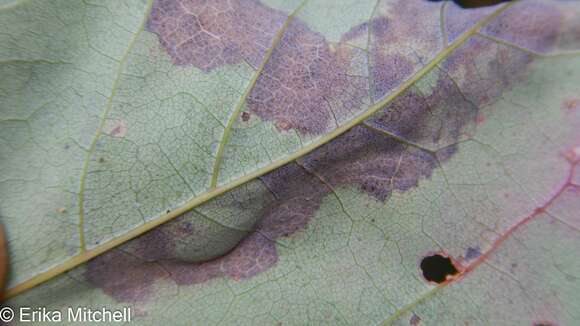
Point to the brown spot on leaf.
(283, 125)
(245, 116)
(571, 104)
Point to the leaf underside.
(306, 157)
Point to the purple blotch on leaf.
(210, 34)
(306, 83)
(534, 25)
(472, 253)
(363, 157)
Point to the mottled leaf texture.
(280, 162)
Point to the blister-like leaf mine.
(390, 152)
(301, 162)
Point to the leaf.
(104, 140)
(466, 147)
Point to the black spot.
(474, 3)
(543, 323)
(245, 116)
(436, 268)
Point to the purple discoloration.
(534, 25)
(396, 22)
(253, 255)
(569, 38)
(472, 253)
(433, 121)
(128, 273)
(123, 276)
(379, 165)
(472, 77)
(210, 34)
(380, 28)
(458, 20)
(394, 56)
(388, 72)
(306, 84)
(356, 32)
(483, 70)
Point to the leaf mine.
(440, 168)
(392, 152)
(307, 84)
(208, 35)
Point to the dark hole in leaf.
(436, 268)
(474, 3)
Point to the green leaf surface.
(311, 154)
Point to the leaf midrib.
(218, 190)
(236, 112)
(102, 122)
